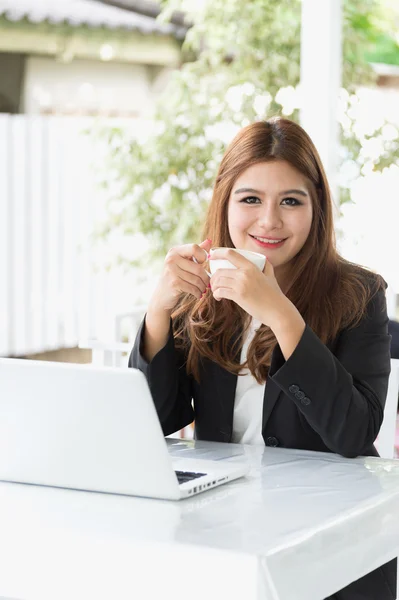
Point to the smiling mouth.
(268, 241)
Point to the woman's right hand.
(181, 274)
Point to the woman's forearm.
(156, 331)
(288, 328)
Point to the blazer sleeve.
(342, 394)
(170, 386)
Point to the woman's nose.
(270, 217)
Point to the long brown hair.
(329, 292)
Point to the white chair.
(108, 354)
(127, 324)
(385, 442)
(392, 302)
(114, 353)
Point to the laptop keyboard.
(184, 476)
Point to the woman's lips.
(268, 244)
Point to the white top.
(248, 403)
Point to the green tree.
(240, 63)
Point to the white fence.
(50, 296)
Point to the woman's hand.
(257, 292)
(181, 274)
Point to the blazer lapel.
(226, 389)
(272, 393)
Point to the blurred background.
(114, 116)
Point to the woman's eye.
(291, 202)
(250, 200)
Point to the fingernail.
(209, 286)
(209, 256)
(208, 240)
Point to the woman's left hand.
(257, 292)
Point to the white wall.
(87, 87)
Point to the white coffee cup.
(221, 263)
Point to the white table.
(301, 526)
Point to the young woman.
(296, 356)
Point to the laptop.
(95, 429)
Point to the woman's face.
(270, 212)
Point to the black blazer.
(326, 398)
